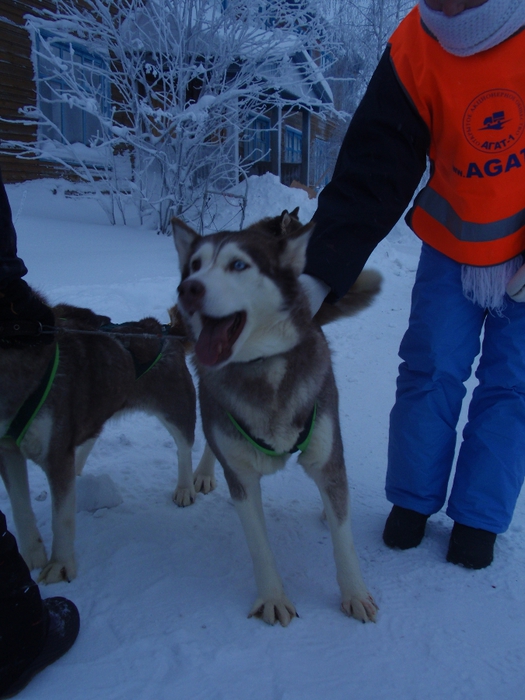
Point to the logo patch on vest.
(494, 121)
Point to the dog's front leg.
(61, 476)
(324, 463)
(356, 601)
(271, 605)
(13, 469)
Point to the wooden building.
(17, 88)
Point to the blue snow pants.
(437, 352)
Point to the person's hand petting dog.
(19, 303)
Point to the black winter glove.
(18, 303)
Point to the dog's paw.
(184, 496)
(34, 556)
(362, 608)
(204, 483)
(274, 610)
(57, 572)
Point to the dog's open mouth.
(218, 336)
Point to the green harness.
(26, 414)
(302, 441)
(140, 367)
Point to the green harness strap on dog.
(32, 405)
(302, 441)
(141, 368)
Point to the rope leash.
(16, 329)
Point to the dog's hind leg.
(82, 452)
(271, 605)
(184, 494)
(13, 469)
(204, 475)
(61, 475)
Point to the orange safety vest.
(473, 207)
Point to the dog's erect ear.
(294, 253)
(184, 236)
(290, 221)
(285, 222)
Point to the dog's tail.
(359, 297)
(178, 328)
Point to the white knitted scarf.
(486, 286)
(474, 30)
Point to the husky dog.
(96, 377)
(266, 385)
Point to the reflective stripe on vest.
(473, 208)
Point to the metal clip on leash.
(13, 329)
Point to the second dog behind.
(96, 377)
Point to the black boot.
(62, 625)
(471, 547)
(33, 633)
(404, 528)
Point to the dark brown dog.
(98, 376)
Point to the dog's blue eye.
(238, 265)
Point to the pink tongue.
(213, 344)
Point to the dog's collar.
(32, 405)
(300, 446)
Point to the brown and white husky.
(266, 385)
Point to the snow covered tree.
(155, 101)
(363, 29)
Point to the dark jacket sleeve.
(380, 164)
(11, 266)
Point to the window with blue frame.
(57, 99)
(256, 141)
(293, 144)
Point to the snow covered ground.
(163, 592)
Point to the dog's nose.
(191, 294)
